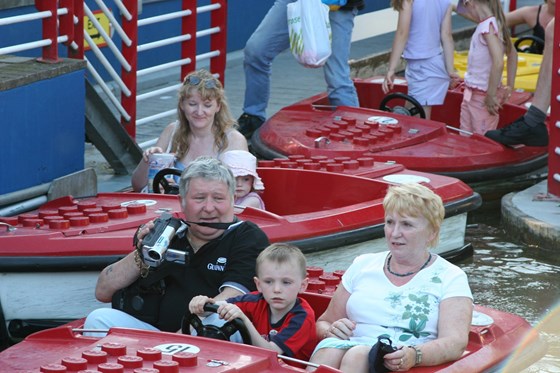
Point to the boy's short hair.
(281, 252)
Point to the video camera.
(155, 245)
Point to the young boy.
(275, 316)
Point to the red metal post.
(50, 30)
(218, 41)
(66, 21)
(188, 47)
(554, 139)
(129, 78)
(78, 33)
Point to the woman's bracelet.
(418, 351)
(143, 267)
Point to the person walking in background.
(484, 94)
(424, 38)
(271, 38)
(205, 127)
(530, 129)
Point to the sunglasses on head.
(195, 80)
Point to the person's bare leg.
(541, 99)
(531, 129)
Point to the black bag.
(140, 301)
(375, 357)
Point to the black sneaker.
(248, 124)
(520, 132)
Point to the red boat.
(334, 215)
(497, 341)
(313, 128)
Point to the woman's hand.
(341, 329)
(401, 360)
(150, 151)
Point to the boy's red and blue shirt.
(295, 333)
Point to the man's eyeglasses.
(195, 80)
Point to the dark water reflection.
(516, 278)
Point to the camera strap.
(215, 225)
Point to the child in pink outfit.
(484, 94)
(243, 165)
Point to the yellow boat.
(528, 66)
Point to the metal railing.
(63, 23)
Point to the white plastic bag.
(310, 32)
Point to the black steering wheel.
(211, 331)
(416, 108)
(160, 181)
(536, 46)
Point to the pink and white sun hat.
(242, 163)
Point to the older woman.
(413, 297)
(205, 127)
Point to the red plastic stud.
(119, 213)
(59, 224)
(33, 222)
(315, 286)
(110, 368)
(351, 165)
(330, 280)
(64, 209)
(365, 161)
(79, 221)
(130, 361)
(167, 366)
(312, 166)
(335, 167)
(23, 217)
(114, 349)
(149, 354)
(265, 163)
(72, 214)
(314, 271)
(44, 213)
(53, 368)
(101, 217)
(12, 220)
(136, 208)
(95, 356)
(186, 359)
(95, 210)
(113, 206)
(145, 370)
(74, 363)
(82, 205)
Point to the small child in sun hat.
(243, 165)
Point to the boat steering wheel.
(160, 181)
(416, 108)
(211, 331)
(536, 44)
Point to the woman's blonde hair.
(209, 88)
(416, 200)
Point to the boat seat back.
(295, 191)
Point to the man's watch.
(418, 351)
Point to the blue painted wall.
(42, 127)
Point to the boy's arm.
(230, 311)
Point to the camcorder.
(155, 245)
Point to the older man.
(221, 254)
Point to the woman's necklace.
(407, 273)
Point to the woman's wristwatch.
(418, 351)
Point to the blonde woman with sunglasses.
(205, 127)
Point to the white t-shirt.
(407, 314)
